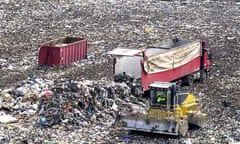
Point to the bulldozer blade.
(144, 124)
(199, 119)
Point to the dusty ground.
(110, 24)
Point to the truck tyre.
(187, 80)
(205, 76)
(190, 80)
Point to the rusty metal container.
(62, 51)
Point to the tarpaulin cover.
(172, 58)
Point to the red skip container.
(62, 51)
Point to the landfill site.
(79, 101)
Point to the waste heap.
(74, 105)
(133, 83)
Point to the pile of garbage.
(132, 82)
(63, 102)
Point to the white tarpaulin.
(172, 58)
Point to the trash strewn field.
(77, 103)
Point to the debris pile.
(63, 103)
(133, 83)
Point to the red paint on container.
(62, 51)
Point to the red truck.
(168, 61)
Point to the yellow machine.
(170, 112)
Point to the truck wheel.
(205, 76)
(187, 80)
(190, 80)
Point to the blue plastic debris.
(43, 120)
(126, 139)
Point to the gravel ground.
(110, 24)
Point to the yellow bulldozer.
(170, 112)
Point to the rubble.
(64, 103)
(109, 24)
